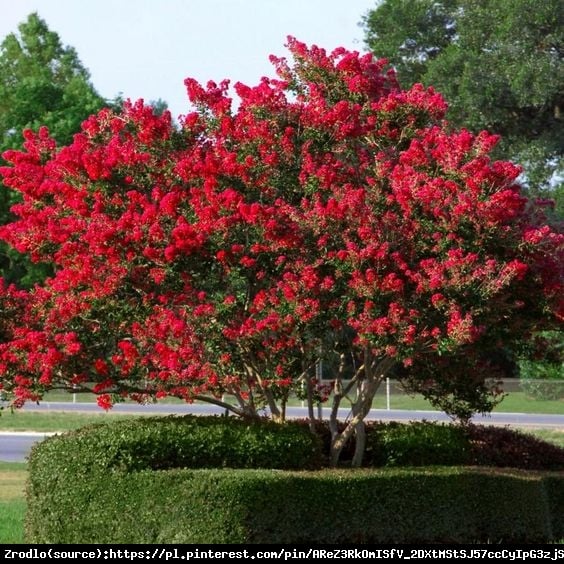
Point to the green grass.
(12, 515)
(12, 480)
(555, 437)
(519, 402)
(12, 501)
(53, 420)
(85, 397)
(514, 402)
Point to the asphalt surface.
(15, 447)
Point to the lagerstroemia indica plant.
(330, 216)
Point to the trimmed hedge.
(416, 444)
(139, 481)
(428, 443)
(273, 506)
(554, 485)
(159, 443)
(502, 447)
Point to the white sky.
(145, 48)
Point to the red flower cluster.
(331, 214)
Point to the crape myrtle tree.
(331, 216)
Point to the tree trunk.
(275, 412)
(374, 372)
(360, 444)
(310, 408)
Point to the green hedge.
(555, 491)
(272, 506)
(195, 480)
(427, 443)
(159, 443)
(416, 444)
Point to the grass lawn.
(514, 402)
(53, 420)
(12, 501)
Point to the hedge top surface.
(160, 443)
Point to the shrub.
(499, 446)
(416, 444)
(429, 443)
(330, 213)
(272, 506)
(151, 481)
(542, 382)
(555, 492)
(182, 442)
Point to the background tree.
(330, 216)
(44, 83)
(497, 62)
(159, 106)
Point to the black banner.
(274, 553)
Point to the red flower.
(104, 401)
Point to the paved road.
(517, 419)
(16, 446)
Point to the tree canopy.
(497, 62)
(331, 217)
(42, 83)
